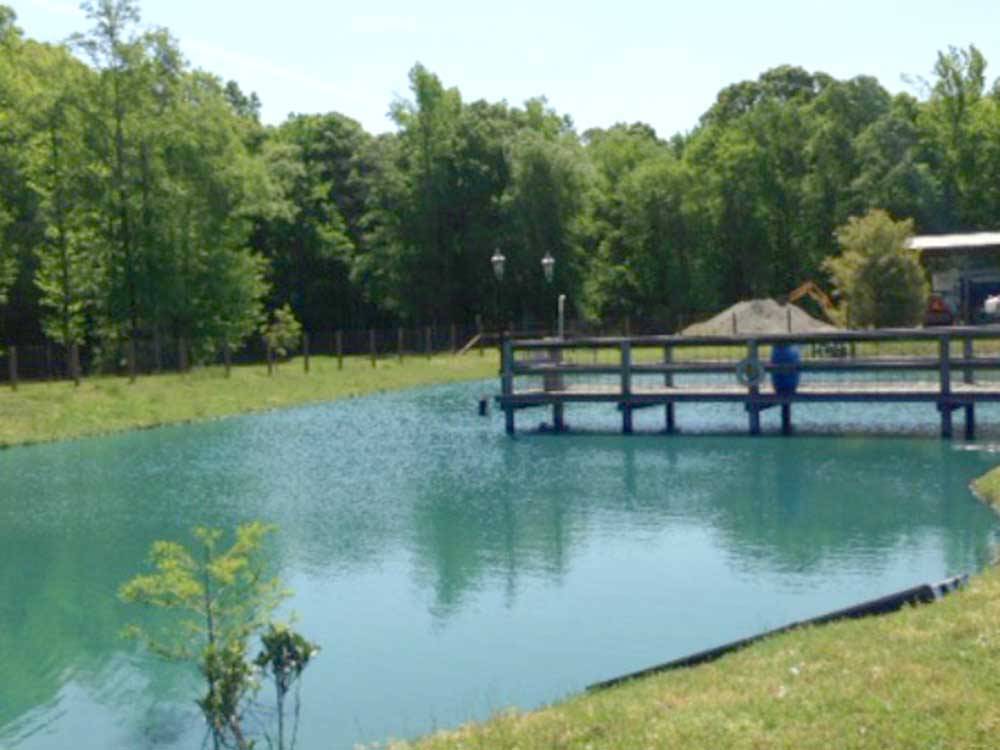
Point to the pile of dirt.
(758, 316)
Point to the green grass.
(927, 677)
(39, 412)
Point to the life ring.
(749, 372)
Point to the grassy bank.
(39, 412)
(927, 677)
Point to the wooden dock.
(948, 368)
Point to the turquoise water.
(449, 571)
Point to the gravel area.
(758, 316)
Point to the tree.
(880, 279)
(69, 271)
(283, 333)
(285, 656)
(219, 598)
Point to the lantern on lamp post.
(548, 266)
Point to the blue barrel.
(785, 383)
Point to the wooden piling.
(507, 382)
(753, 388)
(968, 375)
(946, 420)
(786, 419)
(626, 405)
(227, 357)
(558, 417)
(944, 405)
(339, 336)
(427, 341)
(668, 381)
(970, 422)
(399, 343)
(454, 338)
(371, 345)
(479, 333)
(305, 352)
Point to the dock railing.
(885, 365)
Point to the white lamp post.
(498, 260)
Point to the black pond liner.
(922, 594)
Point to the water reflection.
(432, 553)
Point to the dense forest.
(140, 197)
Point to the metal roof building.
(964, 269)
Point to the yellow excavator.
(817, 295)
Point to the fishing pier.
(950, 369)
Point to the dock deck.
(950, 368)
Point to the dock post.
(946, 420)
(507, 382)
(970, 421)
(626, 364)
(753, 390)
(786, 419)
(968, 376)
(944, 402)
(558, 417)
(668, 381)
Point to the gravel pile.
(758, 316)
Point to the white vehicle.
(991, 307)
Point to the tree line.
(141, 197)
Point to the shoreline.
(920, 677)
(47, 412)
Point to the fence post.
(130, 354)
(227, 356)
(371, 344)
(454, 338)
(182, 354)
(427, 341)
(340, 349)
(74, 362)
(399, 342)
(157, 350)
(305, 351)
(12, 366)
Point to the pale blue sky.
(601, 63)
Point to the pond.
(449, 571)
